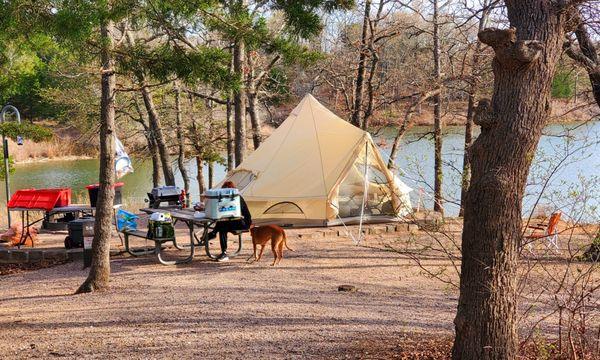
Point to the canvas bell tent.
(319, 170)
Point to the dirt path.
(230, 310)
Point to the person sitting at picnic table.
(224, 227)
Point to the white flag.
(122, 161)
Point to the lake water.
(575, 148)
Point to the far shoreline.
(51, 159)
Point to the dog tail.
(285, 242)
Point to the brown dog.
(261, 236)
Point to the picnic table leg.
(158, 246)
(239, 246)
(24, 230)
(177, 246)
(206, 242)
(136, 253)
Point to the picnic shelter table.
(198, 228)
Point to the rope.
(365, 189)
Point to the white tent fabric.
(310, 171)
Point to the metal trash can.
(78, 230)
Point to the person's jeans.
(223, 240)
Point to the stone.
(347, 288)
(20, 256)
(311, 235)
(377, 230)
(35, 256)
(413, 228)
(5, 256)
(58, 254)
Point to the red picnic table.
(28, 200)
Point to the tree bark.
(152, 148)
(466, 173)
(362, 67)
(211, 174)
(230, 137)
(511, 126)
(252, 94)
(155, 158)
(239, 98)
(586, 56)
(154, 119)
(181, 145)
(254, 118)
(156, 128)
(99, 275)
(437, 115)
(200, 175)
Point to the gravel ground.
(229, 310)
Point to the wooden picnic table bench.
(197, 237)
(158, 247)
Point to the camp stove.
(162, 194)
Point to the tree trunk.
(230, 137)
(511, 126)
(406, 123)
(211, 174)
(239, 98)
(99, 275)
(156, 128)
(152, 148)
(254, 118)
(466, 173)
(362, 67)
(370, 91)
(586, 56)
(437, 115)
(181, 145)
(156, 164)
(252, 93)
(200, 175)
(154, 120)
(373, 67)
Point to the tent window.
(375, 173)
(351, 190)
(242, 178)
(285, 207)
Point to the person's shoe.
(223, 257)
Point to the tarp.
(310, 171)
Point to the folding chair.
(547, 231)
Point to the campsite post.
(5, 146)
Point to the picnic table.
(198, 235)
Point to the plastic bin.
(78, 229)
(46, 199)
(95, 188)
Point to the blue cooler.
(222, 203)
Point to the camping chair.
(547, 231)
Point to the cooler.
(222, 203)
